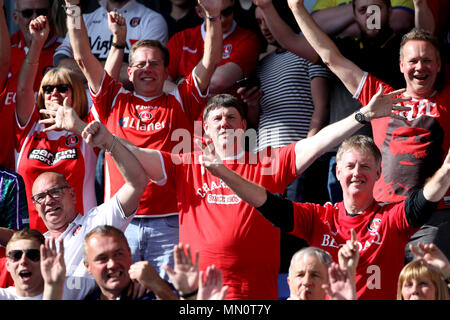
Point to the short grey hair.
(103, 230)
(323, 256)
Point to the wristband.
(72, 12)
(188, 295)
(118, 46)
(112, 145)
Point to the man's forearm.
(253, 194)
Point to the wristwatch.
(360, 118)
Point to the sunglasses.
(32, 254)
(28, 13)
(55, 193)
(61, 88)
(227, 11)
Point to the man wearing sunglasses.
(239, 57)
(35, 266)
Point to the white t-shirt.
(11, 294)
(142, 24)
(78, 281)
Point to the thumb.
(66, 102)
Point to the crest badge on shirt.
(134, 22)
(374, 225)
(145, 116)
(227, 51)
(72, 140)
(77, 229)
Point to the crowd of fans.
(199, 149)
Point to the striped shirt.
(286, 106)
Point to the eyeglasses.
(151, 63)
(32, 254)
(55, 193)
(227, 11)
(28, 13)
(61, 88)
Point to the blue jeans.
(153, 239)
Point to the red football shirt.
(412, 149)
(382, 233)
(240, 46)
(227, 231)
(148, 123)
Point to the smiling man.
(54, 200)
(107, 257)
(382, 231)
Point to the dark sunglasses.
(62, 88)
(227, 11)
(28, 13)
(32, 254)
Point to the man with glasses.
(148, 118)
(143, 23)
(35, 266)
(55, 202)
(240, 54)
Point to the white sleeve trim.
(163, 180)
(361, 85)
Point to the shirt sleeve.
(418, 209)
(279, 211)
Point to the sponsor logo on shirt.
(223, 199)
(100, 47)
(132, 123)
(134, 22)
(49, 158)
(227, 51)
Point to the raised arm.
(348, 72)
(212, 52)
(129, 167)
(337, 20)
(79, 40)
(39, 30)
(118, 27)
(5, 48)
(423, 17)
(53, 269)
(381, 105)
(284, 35)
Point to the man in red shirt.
(413, 149)
(382, 231)
(239, 57)
(148, 117)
